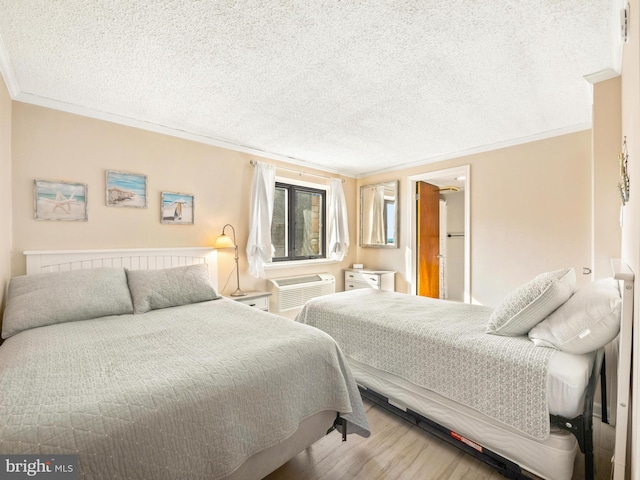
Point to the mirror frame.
(396, 243)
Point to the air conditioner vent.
(293, 292)
(284, 282)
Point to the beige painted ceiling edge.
(389, 154)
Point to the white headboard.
(131, 258)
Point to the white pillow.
(531, 303)
(586, 322)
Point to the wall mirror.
(379, 215)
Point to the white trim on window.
(297, 263)
(302, 183)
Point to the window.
(390, 220)
(298, 225)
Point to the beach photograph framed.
(126, 189)
(60, 201)
(177, 208)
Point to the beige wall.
(631, 213)
(530, 204)
(53, 145)
(606, 139)
(530, 213)
(5, 190)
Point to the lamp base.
(239, 293)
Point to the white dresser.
(378, 279)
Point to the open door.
(428, 240)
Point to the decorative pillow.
(531, 303)
(586, 322)
(58, 297)
(170, 287)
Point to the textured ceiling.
(353, 86)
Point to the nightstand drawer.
(262, 303)
(356, 285)
(259, 300)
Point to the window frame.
(292, 187)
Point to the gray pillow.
(170, 287)
(58, 297)
(531, 303)
(586, 322)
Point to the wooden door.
(428, 241)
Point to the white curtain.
(337, 220)
(259, 250)
(444, 293)
(377, 225)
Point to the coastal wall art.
(60, 201)
(177, 208)
(126, 189)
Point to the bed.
(516, 405)
(132, 361)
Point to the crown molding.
(485, 148)
(165, 130)
(601, 76)
(131, 122)
(7, 72)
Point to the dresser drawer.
(378, 279)
(371, 280)
(356, 285)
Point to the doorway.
(429, 254)
(439, 263)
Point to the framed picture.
(126, 189)
(60, 201)
(177, 208)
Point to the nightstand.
(259, 300)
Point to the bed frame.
(625, 276)
(581, 426)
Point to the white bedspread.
(186, 392)
(441, 346)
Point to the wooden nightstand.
(258, 300)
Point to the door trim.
(411, 217)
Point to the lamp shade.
(224, 241)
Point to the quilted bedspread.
(186, 392)
(441, 346)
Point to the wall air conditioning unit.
(293, 292)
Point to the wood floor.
(399, 450)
